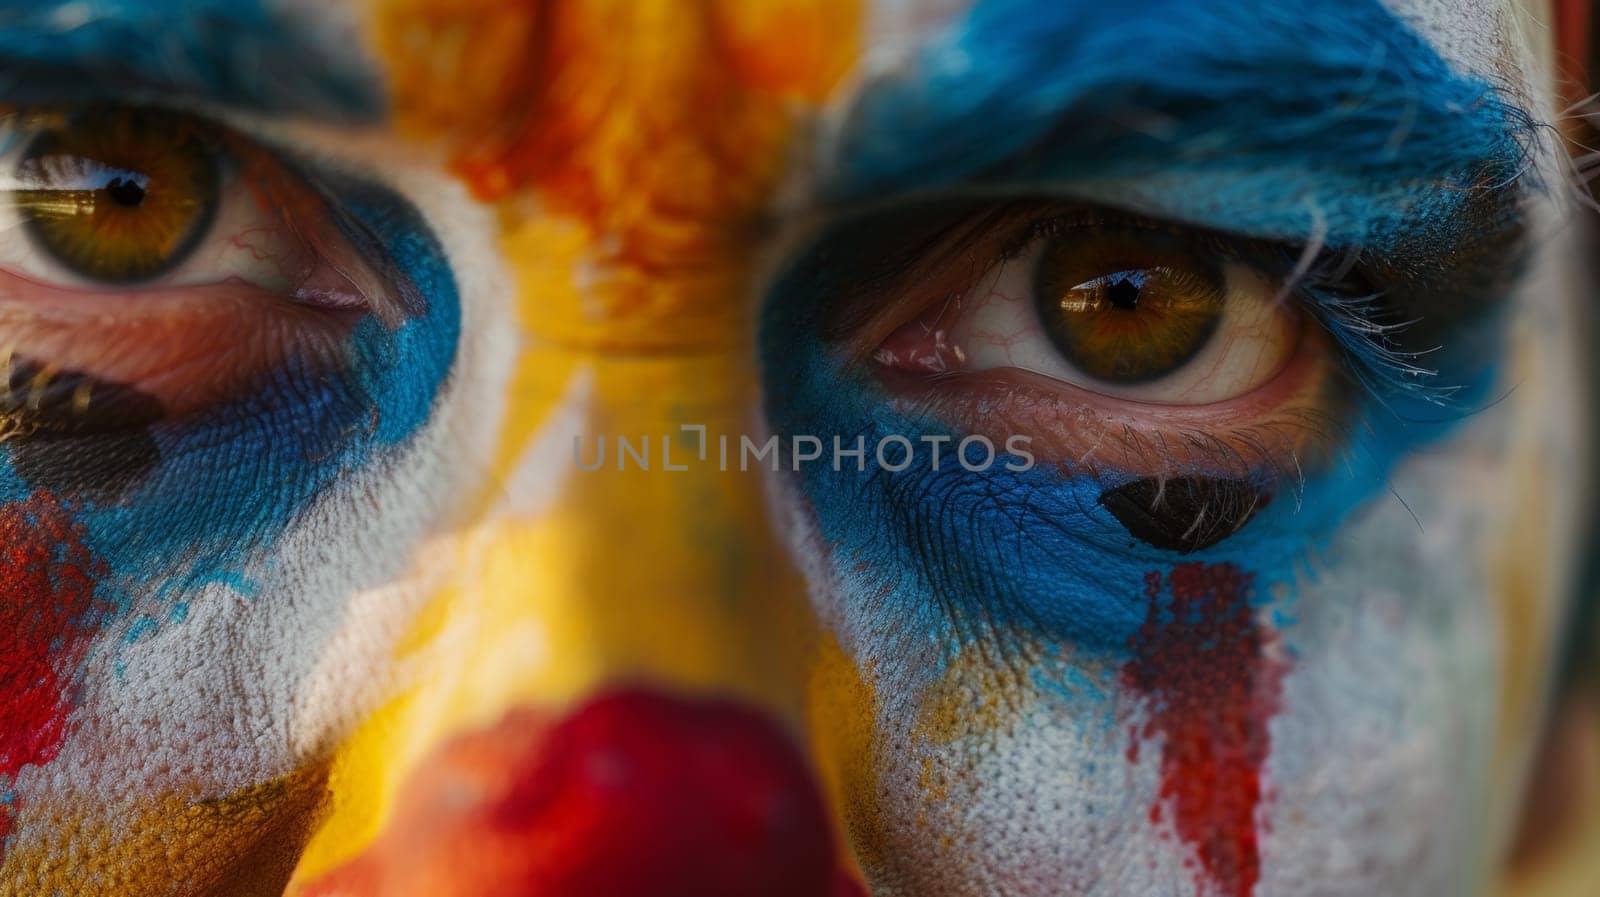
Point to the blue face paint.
(228, 481)
(1331, 124)
(952, 556)
(1277, 121)
(240, 53)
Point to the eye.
(1113, 342)
(1143, 314)
(118, 198)
(166, 259)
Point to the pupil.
(125, 192)
(1123, 288)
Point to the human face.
(318, 314)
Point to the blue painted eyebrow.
(243, 54)
(1330, 117)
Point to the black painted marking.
(1184, 514)
(75, 434)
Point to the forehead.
(775, 42)
(274, 35)
(664, 143)
(591, 73)
(1478, 36)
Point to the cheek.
(1338, 732)
(1382, 756)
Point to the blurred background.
(1558, 851)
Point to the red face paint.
(1210, 688)
(635, 794)
(49, 580)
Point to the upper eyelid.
(1373, 320)
(1431, 292)
(983, 236)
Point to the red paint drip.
(48, 579)
(1210, 688)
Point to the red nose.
(635, 794)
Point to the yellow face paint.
(631, 150)
(245, 844)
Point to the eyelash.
(1369, 362)
(1349, 303)
(1369, 331)
(1330, 284)
(254, 406)
(271, 289)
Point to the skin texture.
(359, 622)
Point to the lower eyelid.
(1290, 422)
(181, 346)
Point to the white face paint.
(254, 675)
(1413, 651)
(1395, 685)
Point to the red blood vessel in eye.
(172, 258)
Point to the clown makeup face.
(808, 447)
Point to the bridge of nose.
(626, 220)
(576, 580)
(637, 569)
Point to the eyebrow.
(1335, 122)
(243, 54)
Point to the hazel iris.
(118, 196)
(1126, 307)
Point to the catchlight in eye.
(1126, 311)
(118, 196)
